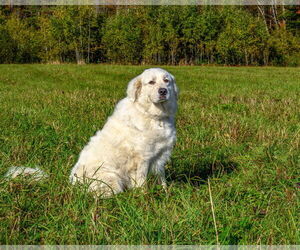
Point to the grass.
(238, 128)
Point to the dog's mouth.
(159, 99)
(162, 98)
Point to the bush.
(122, 38)
(284, 48)
(243, 40)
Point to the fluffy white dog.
(136, 140)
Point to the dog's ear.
(134, 88)
(175, 86)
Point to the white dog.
(137, 139)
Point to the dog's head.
(154, 86)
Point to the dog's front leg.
(158, 168)
(162, 177)
(141, 174)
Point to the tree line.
(176, 35)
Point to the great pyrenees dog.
(136, 140)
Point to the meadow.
(238, 132)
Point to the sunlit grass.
(239, 127)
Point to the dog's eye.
(151, 82)
(166, 80)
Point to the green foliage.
(238, 126)
(243, 40)
(163, 38)
(71, 28)
(6, 48)
(153, 52)
(122, 38)
(18, 41)
(293, 19)
(174, 35)
(51, 47)
(208, 26)
(284, 48)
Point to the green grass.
(238, 127)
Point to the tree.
(243, 40)
(231, 35)
(284, 48)
(18, 41)
(71, 28)
(122, 38)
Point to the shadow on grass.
(197, 170)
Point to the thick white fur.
(137, 139)
(35, 173)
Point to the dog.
(137, 139)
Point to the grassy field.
(238, 128)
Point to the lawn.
(238, 129)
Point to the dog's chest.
(160, 136)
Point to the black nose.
(162, 91)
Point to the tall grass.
(239, 128)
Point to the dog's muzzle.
(162, 94)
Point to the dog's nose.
(162, 91)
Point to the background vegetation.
(239, 127)
(227, 35)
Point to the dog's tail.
(34, 173)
